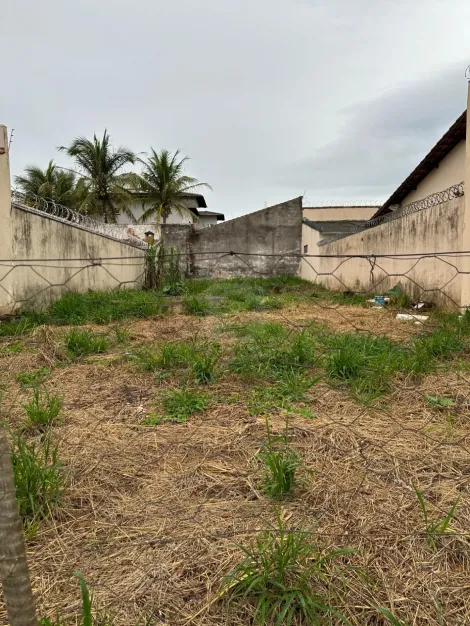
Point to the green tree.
(103, 183)
(163, 185)
(53, 183)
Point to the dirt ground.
(153, 516)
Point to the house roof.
(219, 216)
(446, 143)
(335, 226)
(201, 201)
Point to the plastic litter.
(410, 318)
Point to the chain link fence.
(212, 422)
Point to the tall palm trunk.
(14, 572)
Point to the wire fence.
(49, 207)
(455, 191)
(174, 401)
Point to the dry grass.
(151, 515)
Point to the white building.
(196, 215)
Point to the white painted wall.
(333, 213)
(174, 218)
(451, 171)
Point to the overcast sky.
(271, 99)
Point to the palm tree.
(52, 183)
(103, 183)
(164, 185)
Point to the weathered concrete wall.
(339, 213)
(275, 231)
(451, 171)
(51, 257)
(425, 232)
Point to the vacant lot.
(171, 413)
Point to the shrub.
(282, 579)
(84, 342)
(42, 410)
(39, 478)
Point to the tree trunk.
(14, 572)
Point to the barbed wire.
(152, 515)
(455, 191)
(47, 206)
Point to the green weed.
(363, 361)
(205, 364)
(39, 478)
(197, 306)
(290, 387)
(281, 464)
(178, 406)
(268, 356)
(282, 579)
(103, 307)
(121, 335)
(18, 327)
(176, 354)
(441, 403)
(42, 410)
(438, 528)
(81, 343)
(33, 378)
(14, 348)
(394, 621)
(88, 615)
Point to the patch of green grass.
(197, 306)
(33, 378)
(365, 362)
(18, 327)
(394, 621)
(281, 463)
(81, 343)
(268, 356)
(14, 348)
(290, 387)
(202, 358)
(103, 307)
(178, 406)
(440, 402)
(435, 529)
(283, 580)
(121, 335)
(39, 478)
(205, 364)
(42, 410)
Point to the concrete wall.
(431, 230)
(42, 257)
(451, 171)
(310, 239)
(88, 261)
(276, 231)
(332, 213)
